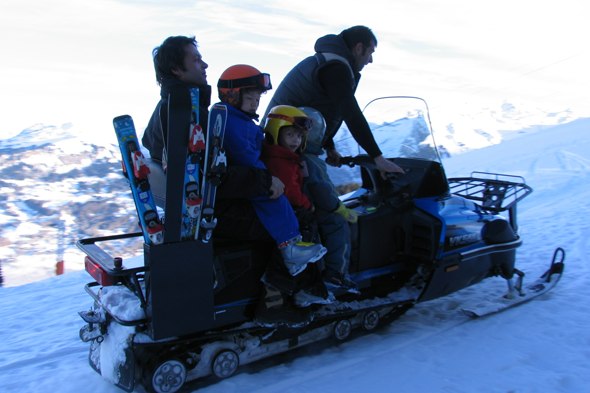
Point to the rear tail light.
(98, 273)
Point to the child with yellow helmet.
(285, 133)
(314, 192)
(287, 130)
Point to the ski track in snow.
(50, 346)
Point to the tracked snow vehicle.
(187, 309)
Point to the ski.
(191, 206)
(521, 295)
(215, 167)
(137, 172)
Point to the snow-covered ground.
(542, 346)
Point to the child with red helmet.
(240, 86)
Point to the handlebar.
(385, 184)
(360, 160)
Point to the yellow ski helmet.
(282, 116)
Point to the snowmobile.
(186, 310)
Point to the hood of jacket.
(335, 44)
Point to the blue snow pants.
(277, 217)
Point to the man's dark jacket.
(327, 82)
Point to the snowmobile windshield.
(401, 127)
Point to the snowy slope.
(54, 188)
(539, 347)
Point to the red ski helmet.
(238, 77)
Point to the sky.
(540, 346)
(79, 64)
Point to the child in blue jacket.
(240, 86)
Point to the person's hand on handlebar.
(385, 166)
(333, 157)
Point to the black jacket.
(327, 82)
(156, 133)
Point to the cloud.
(85, 62)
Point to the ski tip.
(559, 255)
(557, 265)
(558, 260)
(121, 117)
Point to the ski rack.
(493, 191)
(128, 275)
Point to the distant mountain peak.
(35, 137)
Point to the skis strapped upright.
(215, 167)
(204, 165)
(137, 171)
(193, 174)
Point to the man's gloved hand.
(333, 157)
(348, 214)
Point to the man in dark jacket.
(177, 62)
(327, 81)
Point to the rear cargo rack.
(129, 272)
(492, 191)
(107, 262)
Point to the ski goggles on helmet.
(260, 81)
(304, 123)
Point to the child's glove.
(348, 214)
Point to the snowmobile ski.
(193, 197)
(137, 173)
(521, 295)
(215, 167)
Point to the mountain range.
(57, 187)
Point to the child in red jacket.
(285, 130)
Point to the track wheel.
(371, 320)
(225, 364)
(168, 377)
(342, 329)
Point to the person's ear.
(358, 49)
(176, 71)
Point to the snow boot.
(297, 254)
(274, 310)
(337, 281)
(305, 298)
